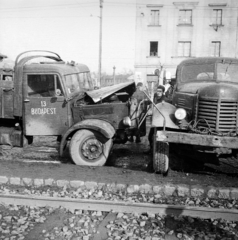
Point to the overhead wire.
(49, 6)
(107, 3)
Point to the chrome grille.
(219, 115)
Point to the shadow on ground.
(131, 156)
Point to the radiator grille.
(219, 115)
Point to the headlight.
(127, 121)
(180, 114)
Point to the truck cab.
(204, 109)
(45, 96)
(46, 91)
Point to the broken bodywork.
(204, 108)
(45, 96)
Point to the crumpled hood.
(104, 92)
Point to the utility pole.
(236, 53)
(114, 75)
(100, 44)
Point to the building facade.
(168, 32)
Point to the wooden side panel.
(6, 99)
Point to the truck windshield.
(210, 72)
(78, 82)
(198, 72)
(227, 72)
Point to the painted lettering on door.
(43, 110)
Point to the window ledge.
(152, 56)
(182, 57)
(185, 25)
(216, 25)
(154, 25)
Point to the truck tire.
(161, 157)
(89, 148)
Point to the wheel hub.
(92, 149)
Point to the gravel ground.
(37, 223)
(31, 223)
(104, 194)
(127, 164)
(24, 222)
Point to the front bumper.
(197, 139)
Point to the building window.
(185, 16)
(184, 49)
(216, 49)
(154, 17)
(153, 49)
(217, 17)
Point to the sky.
(71, 29)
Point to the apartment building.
(168, 32)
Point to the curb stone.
(62, 183)
(49, 182)
(3, 179)
(169, 190)
(183, 190)
(15, 181)
(27, 181)
(179, 190)
(197, 191)
(76, 183)
(38, 182)
(212, 192)
(234, 193)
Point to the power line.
(88, 4)
(62, 17)
(50, 6)
(106, 16)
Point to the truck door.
(45, 111)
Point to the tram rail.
(126, 207)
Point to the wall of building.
(201, 32)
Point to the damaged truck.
(45, 96)
(203, 110)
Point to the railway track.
(125, 207)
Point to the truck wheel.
(89, 148)
(161, 157)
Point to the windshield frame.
(78, 82)
(213, 72)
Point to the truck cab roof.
(206, 60)
(60, 67)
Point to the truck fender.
(165, 115)
(105, 128)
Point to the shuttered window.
(184, 49)
(154, 17)
(217, 16)
(185, 16)
(215, 48)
